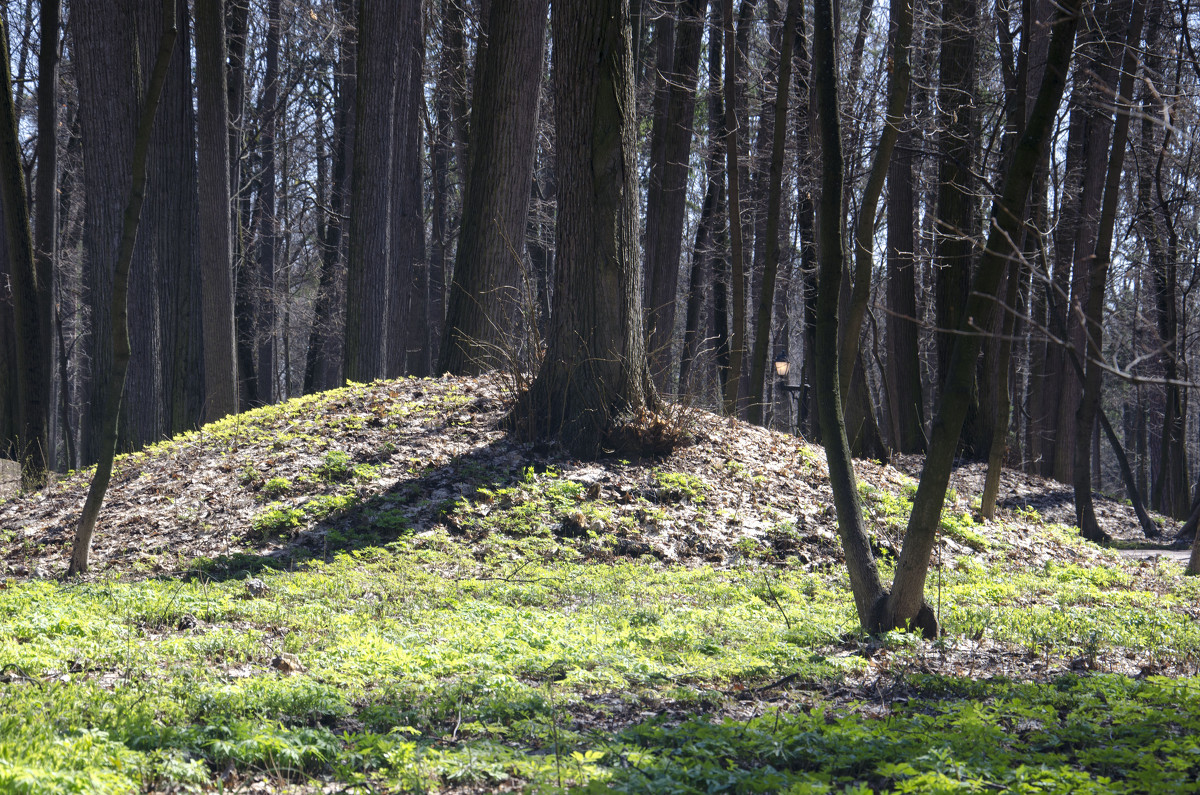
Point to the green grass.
(493, 650)
(427, 668)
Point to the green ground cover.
(515, 635)
(425, 668)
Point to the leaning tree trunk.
(596, 370)
(111, 408)
(864, 574)
(906, 601)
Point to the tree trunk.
(31, 290)
(268, 234)
(120, 342)
(323, 366)
(956, 224)
(1098, 275)
(737, 269)
(906, 602)
(864, 574)
(370, 259)
(595, 371)
(407, 329)
(484, 301)
(214, 242)
(766, 298)
(907, 402)
(666, 199)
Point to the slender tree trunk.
(268, 235)
(766, 299)
(864, 575)
(1089, 406)
(666, 199)
(323, 366)
(906, 601)
(737, 270)
(864, 232)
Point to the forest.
(658, 336)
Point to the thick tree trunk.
(119, 340)
(408, 344)
(957, 224)
(484, 297)
(906, 401)
(31, 289)
(596, 370)
(105, 46)
(214, 241)
(370, 260)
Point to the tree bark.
(906, 601)
(1098, 275)
(371, 188)
(666, 198)
(31, 289)
(214, 242)
(485, 294)
(120, 342)
(737, 269)
(766, 298)
(596, 370)
(864, 574)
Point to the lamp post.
(782, 368)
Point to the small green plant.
(319, 508)
(249, 476)
(277, 518)
(677, 486)
(335, 467)
(276, 487)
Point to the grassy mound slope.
(372, 589)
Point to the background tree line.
(340, 189)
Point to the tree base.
(924, 622)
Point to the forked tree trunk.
(905, 605)
(864, 574)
